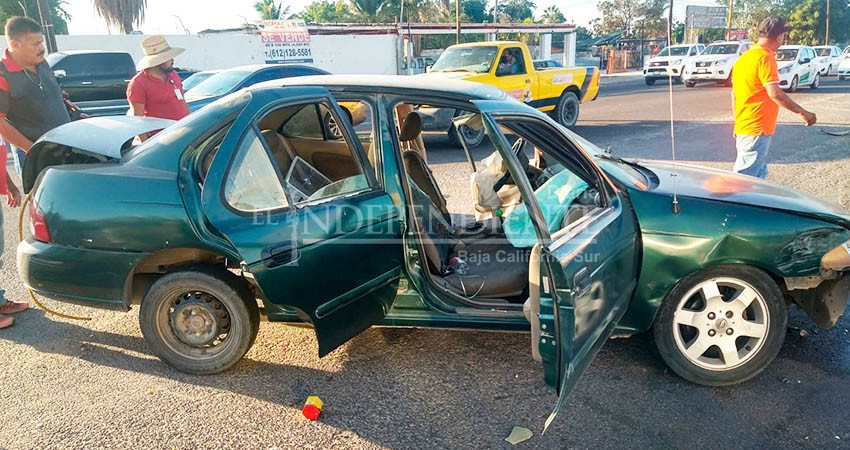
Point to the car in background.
(92, 75)
(844, 70)
(542, 64)
(797, 67)
(196, 78)
(828, 59)
(231, 80)
(670, 62)
(846, 52)
(715, 63)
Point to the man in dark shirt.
(30, 98)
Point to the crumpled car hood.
(712, 184)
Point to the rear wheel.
(473, 137)
(566, 113)
(841, 78)
(690, 84)
(815, 82)
(201, 321)
(649, 81)
(722, 325)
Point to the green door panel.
(335, 261)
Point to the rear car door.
(588, 258)
(325, 243)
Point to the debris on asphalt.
(784, 380)
(519, 434)
(803, 333)
(835, 133)
(312, 407)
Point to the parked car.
(90, 75)
(255, 198)
(194, 79)
(231, 80)
(715, 63)
(797, 67)
(844, 70)
(670, 62)
(828, 59)
(846, 52)
(542, 64)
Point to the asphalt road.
(68, 384)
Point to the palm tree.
(269, 11)
(552, 15)
(124, 14)
(368, 10)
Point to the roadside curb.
(623, 77)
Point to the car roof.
(792, 47)
(380, 83)
(81, 52)
(256, 67)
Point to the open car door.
(302, 207)
(585, 239)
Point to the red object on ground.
(311, 412)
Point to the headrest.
(411, 128)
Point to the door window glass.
(253, 183)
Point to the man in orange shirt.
(756, 99)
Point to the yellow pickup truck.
(509, 65)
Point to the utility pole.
(457, 21)
(47, 26)
(670, 25)
(827, 24)
(729, 22)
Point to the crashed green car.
(311, 200)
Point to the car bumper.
(714, 73)
(76, 275)
(844, 71)
(663, 72)
(826, 302)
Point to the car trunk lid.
(89, 141)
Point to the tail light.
(38, 226)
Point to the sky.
(165, 16)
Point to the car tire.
(690, 84)
(841, 78)
(649, 81)
(677, 80)
(793, 86)
(734, 342)
(816, 82)
(199, 320)
(829, 70)
(473, 138)
(566, 113)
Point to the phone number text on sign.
(289, 54)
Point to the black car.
(91, 75)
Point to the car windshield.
(786, 54)
(219, 84)
(466, 59)
(721, 49)
(196, 79)
(825, 51)
(53, 58)
(673, 51)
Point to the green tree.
(325, 11)
(639, 18)
(29, 8)
(808, 18)
(552, 15)
(269, 10)
(370, 11)
(123, 14)
(472, 11)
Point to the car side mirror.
(428, 68)
(805, 60)
(60, 74)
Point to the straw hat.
(157, 51)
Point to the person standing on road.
(30, 98)
(13, 197)
(156, 91)
(756, 98)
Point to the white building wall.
(372, 54)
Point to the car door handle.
(279, 254)
(86, 83)
(581, 281)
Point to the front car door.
(305, 213)
(513, 78)
(587, 238)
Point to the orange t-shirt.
(755, 111)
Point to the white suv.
(670, 62)
(715, 62)
(797, 67)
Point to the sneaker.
(6, 321)
(12, 307)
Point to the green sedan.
(311, 200)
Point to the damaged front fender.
(825, 303)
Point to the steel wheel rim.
(721, 324)
(179, 323)
(569, 111)
(471, 136)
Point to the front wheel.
(566, 113)
(690, 84)
(815, 82)
(649, 81)
(200, 321)
(793, 86)
(722, 325)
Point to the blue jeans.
(752, 155)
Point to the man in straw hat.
(756, 98)
(156, 91)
